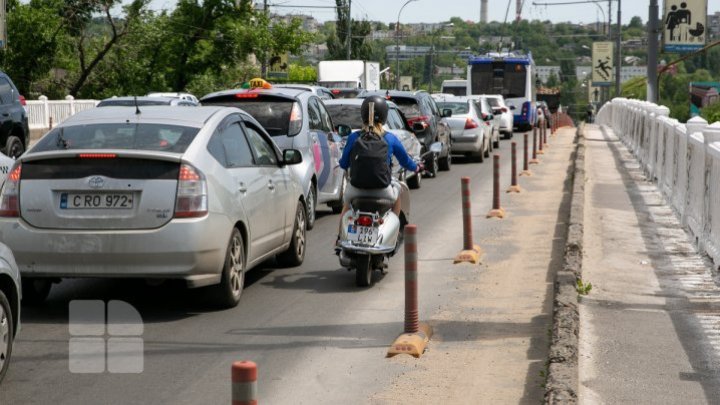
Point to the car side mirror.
(344, 130)
(418, 127)
(512, 107)
(447, 113)
(292, 156)
(485, 116)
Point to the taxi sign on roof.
(259, 83)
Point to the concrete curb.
(562, 379)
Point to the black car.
(14, 130)
(426, 120)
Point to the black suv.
(421, 111)
(14, 129)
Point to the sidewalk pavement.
(650, 327)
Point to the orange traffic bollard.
(470, 253)
(526, 167)
(496, 211)
(534, 159)
(514, 188)
(244, 383)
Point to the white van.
(457, 87)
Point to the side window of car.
(327, 125)
(314, 115)
(433, 106)
(394, 120)
(229, 147)
(263, 151)
(6, 91)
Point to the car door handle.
(241, 187)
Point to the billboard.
(684, 25)
(602, 64)
(278, 67)
(703, 94)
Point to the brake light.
(503, 109)
(335, 91)
(10, 196)
(470, 123)
(246, 95)
(192, 195)
(97, 156)
(22, 100)
(295, 119)
(364, 220)
(423, 119)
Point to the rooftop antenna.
(137, 107)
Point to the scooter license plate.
(366, 235)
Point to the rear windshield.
(345, 114)
(409, 106)
(131, 103)
(493, 102)
(273, 113)
(455, 90)
(457, 108)
(133, 136)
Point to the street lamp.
(397, 45)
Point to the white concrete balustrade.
(44, 113)
(683, 159)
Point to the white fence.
(44, 113)
(684, 160)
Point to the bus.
(510, 74)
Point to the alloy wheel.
(237, 274)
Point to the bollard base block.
(525, 173)
(498, 213)
(413, 344)
(534, 161)
(469, 256)
(539, 152)
(514, 189)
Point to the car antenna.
(137, 108)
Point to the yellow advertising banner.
(602, 65)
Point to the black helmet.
(380, 109)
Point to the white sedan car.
(471, 123)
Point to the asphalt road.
(316, 337)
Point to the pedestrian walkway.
(650, 327)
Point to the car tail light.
(10, 194)
(470, 123)
(97, 155)
(192, 198)
(364, 220)
(504, 109)
(423, 119)
(295, 119)
(22, 100)
(524, 110)
(335, 91)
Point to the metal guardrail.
(683, 159)
(44, 113)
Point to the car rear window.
(493, 102)
(132, 136)
(456, 107)
(409, 106)
(131, 103)
(345, 114)
(273, 113)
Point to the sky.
(443, 10)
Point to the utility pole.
(349, 31)
(618, 51)
(263, 63)
(652, 63)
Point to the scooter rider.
(370, 176)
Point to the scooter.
(371, 233)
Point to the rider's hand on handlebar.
(420, 167)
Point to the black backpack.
(368, 162)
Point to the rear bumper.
(189, 249)
(467, 143)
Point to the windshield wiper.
(61, 141)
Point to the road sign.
(684, 25)
(278, 66)
(602, 63)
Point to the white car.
(9, 306)
(178, 95)
(499, 108)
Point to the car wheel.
(431, 165)
(295, 254)
(509, 135)
(35, 290)
(496, 142)
(7, 334)
(227, 293)
(414, 182)
(13, 147)
(311, 207)
(446, 162)
(337, 206)
(478, 156)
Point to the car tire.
(227, 294)
(446, 162)
(509, 135)
(13, 147)
(337, 206)
(311, 204)
(295, 253)
(431, 165)
(414, 182)
(35, 290)
(7, 334)
(496, 142)
(486, 149)
(478, 157)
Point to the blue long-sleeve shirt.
(395, 148)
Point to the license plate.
(366, 235)
(96, 200)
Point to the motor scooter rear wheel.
(363, 271)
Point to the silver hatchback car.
(200, 194)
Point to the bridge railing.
(44, 113)
(683, 159)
